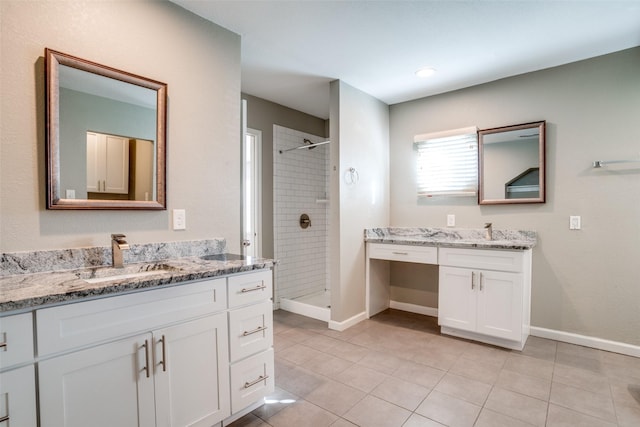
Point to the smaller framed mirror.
(511, 164)
(106, 136)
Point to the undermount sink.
(107, 274)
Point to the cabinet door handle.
(400, 253)
(252, 383)
(163, 362)
(5, 418)
(257, 288)
(4, 344)
(473, 279)
(254, 331)
(146, 357)
(480, 280)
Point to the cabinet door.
(104, 386)
(457, 298)
(18, 397)
(500, 304)
(95, 164)
(192, 373)
(117, 164)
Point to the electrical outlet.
(179, 219)
(574, 223)
(451, 220)
(70, 194)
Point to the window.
(447, 163)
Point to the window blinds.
(447, 163)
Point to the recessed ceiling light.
(425, 72)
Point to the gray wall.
(586, 281)
(199, 61)
(262, 115)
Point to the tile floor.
(397, 370)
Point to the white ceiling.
(291, 50)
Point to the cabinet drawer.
(75, 325)
(250, 288)
(483, 259)
(251, 380)
(250, 330)
(16, 339)
(407, 253)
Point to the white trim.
(341, 326)
(414, 308)
(304, 309)
(587, 341)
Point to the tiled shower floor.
(397, 370)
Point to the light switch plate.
(575, 223)
(451, 220)
(179, 219)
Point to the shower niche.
(300, 187)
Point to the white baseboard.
(413, 308)
(341, 326)
(587, 341)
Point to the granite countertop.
(23, 288)
(452, 237)
(34, 290)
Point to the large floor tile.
(335, 397)
(401, 393)
(274, 403)
(489, 418)
(484, 371)
(463, 388)
(448, 410)
(524, 384)
(530, 366)
(581, 378)
(302, 414)
(362, 378)
(416, 420)
(563, 417)
(374, 412)
(586, 402)
(417, 373)
(515, 405)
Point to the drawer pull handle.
(480, 281)
(5, 418)
(400, 253)
(257, 288)
(3, 345)
(164, 354)
(252, 383)
(473, 278)
(254, 331)
(146, 357)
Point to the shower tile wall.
(301, 178)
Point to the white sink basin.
(108, 274)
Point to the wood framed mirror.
(106, 136)
(511, 164)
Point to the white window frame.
(447, 163)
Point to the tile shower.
(300, 186)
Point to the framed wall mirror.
(106, 136)
(511, 164)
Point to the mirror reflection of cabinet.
(512, 164)
(107, 164)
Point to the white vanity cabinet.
(250, 338)
(186, 355)
(485, 295)
(152, 358)
(17, 372)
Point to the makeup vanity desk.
(484, 285)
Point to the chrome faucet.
(118, 244)
(488, 231)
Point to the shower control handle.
(305, 221)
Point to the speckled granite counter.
(31, 280)
(452, 237)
